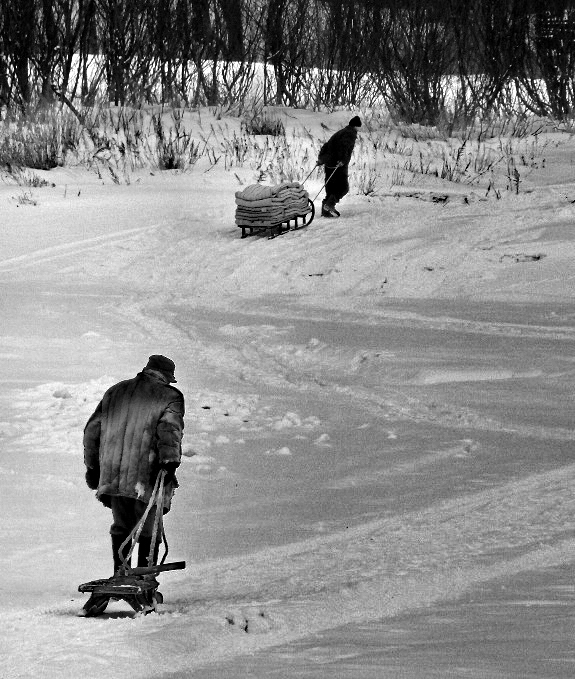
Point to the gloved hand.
(170, 469)
(92, 478)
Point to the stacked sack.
(266, 206)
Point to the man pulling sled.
(335, 155)
(132, 448)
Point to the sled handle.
(160, 568)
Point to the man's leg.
(340, 185)
(123, 523)
(120, 555)
(336, 187)
(327, 204)
(145, 540)
(127, 513)
(144, 549)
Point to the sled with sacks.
(136, 586)
(273, 208)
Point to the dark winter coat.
(338, 148)
(136, 427)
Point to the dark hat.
(166, 365)
(355, 122)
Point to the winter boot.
(328, 209)
(144, 547)
(117, 541)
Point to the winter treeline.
(427, 60)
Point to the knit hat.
(166, 365)
(355, 122)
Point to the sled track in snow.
(239, 605)
(46, 255)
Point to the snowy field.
(378, 473)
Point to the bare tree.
(287, 42)
(18, 38)
(5, 88)
(428, 60)
(232, 34)
(123, 33)
(547, 81)
(343, 50)
(488, 37)
(414, 59)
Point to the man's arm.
(170, 431)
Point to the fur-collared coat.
(136, 427)
(338, 148)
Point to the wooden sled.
(136, 586)
(276, 229)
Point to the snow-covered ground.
(378, 473)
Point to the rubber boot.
(144, 547)
(117, 541)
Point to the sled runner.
(136, 586)
(273, 208)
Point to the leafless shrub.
(38, 139)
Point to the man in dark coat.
(335, 155)
(135, 432)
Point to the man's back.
(339, 147)
(137, 426)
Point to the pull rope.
(309, 175)
(330, 176)
(157, 498)
(158, 520)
